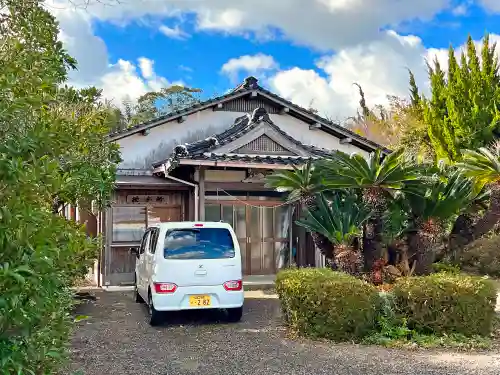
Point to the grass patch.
(416, 340)
(394, 331)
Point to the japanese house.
(208, 162)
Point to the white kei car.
(189, 265)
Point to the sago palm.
(301, 184)
(429, 207)
(377, 178)
(483, 166)
(340, 221)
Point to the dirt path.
(118, 340)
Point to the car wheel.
(234, 315)
(155, 316)
(138, 298)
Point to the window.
(199, 243)
(154, 240)
(129, 223)
(144, 242)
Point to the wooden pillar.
(72, 213)
(201, 191)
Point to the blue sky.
(197, 60)
(310, 55)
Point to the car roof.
(192, 224)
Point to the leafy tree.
(463, 109)
(377, 178)
(430, 207)
(159, 103)
(339, 220)
(53, 147)
(400, 125)
(483, 166)
(302, 185)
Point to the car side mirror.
(134, 250)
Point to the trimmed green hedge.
(322, 303)
(446, 303)
(482, 256)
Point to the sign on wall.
(148, 199)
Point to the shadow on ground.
(116, 339)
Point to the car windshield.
(199, 243)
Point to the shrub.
(324, 303)
(446, 267)
(53, 149)
(447, 303)
(482, 256)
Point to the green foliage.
(447, 303)
(483, 165)
(447, 193)
(339, 220)
(482, 256)
(323, 303)
(463, 110)
(159, 103)
(399, 126)
(355, 171)
(301, 183)
(446, 267)
(53, 148)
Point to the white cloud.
(460, 10)
(117, 80)
(185, 68)
(323, 24)
(146, 66)
(174, 33)
(376, 60)
(491, 5)
(124, 79)
(256, 64)
(380, 67)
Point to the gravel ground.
(117, 339)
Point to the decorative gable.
(263, 145)
(261, 137)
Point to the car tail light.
(164, 288)
(233, 285)
(198, 225)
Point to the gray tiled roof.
(251, 85)
(205, 150)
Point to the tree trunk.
(373, 197)
(348, 260)
(461, 234)
(464, 232)
(422, 243)
(372, 241)
(323, 244)
(492, 214)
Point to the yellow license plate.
(200, 301)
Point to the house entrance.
(263, 231)
(132, 212)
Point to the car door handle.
(201, 273)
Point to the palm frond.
(339, 220)
(298, 183)
(354, 171)
(483, 165)
(448, 194)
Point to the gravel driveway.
(117, 339)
